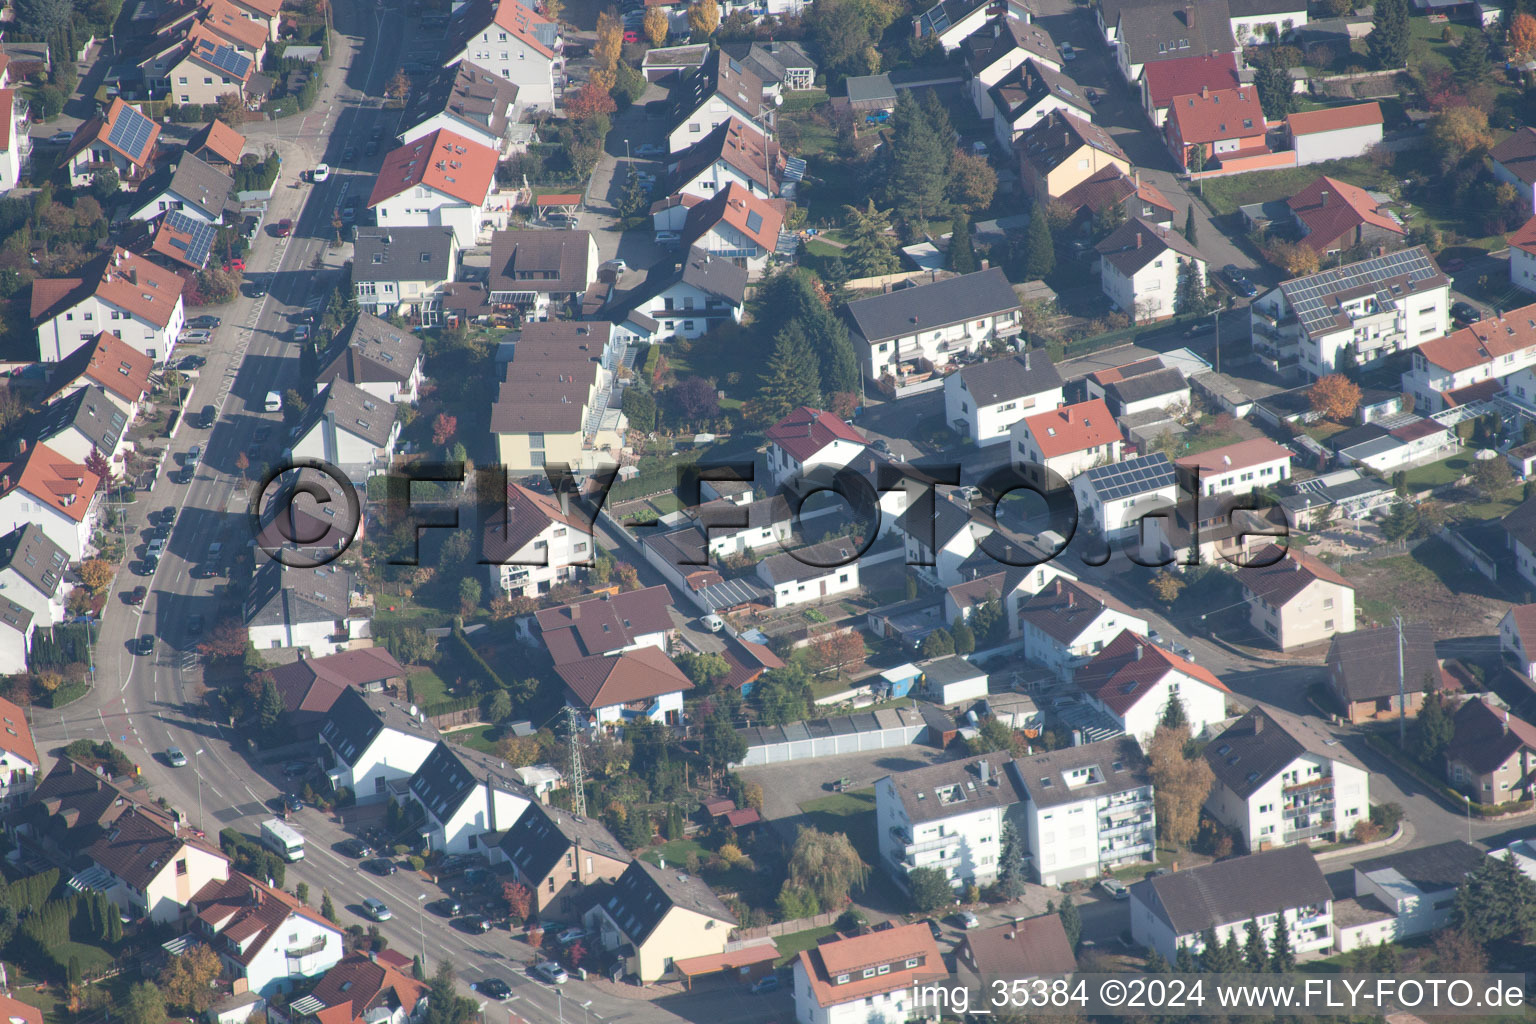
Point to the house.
(873, 978)
(1030, 94)
(1236, 469)
(19, 1012)
(734, 152)
(1143, 269)
(15, 143)
(117, 291)
(123, 139)
(1026, 948)
(1373, 308)
(1057, 445)
(1133, 680)
(71, 807)
(1522, 256)
(870, 93)
(19, 763)
(940, 535)
(513, 41)
(948, 816)
(652, 916)
(735, 225)
(1144, 386)
(32, 573)
(468, 799)
(16, 629)
(85, 421)
(554, 406)
(57, 494)
(1001, 46)
(781, 65)
(1294, 599)
(1177, 910)
(1255, 21)
(1398, 441)
(556, 854)
(588, 639)
(1062, 150)
(1202, 128)
(1281, 780)
(951, 680)
(204, 65)
(1113, 498)
(928, 322)
(663, 62)
(263, 935)
(199, 190)
(374, 740)
(1445, 365)
(349, 428)
(403, 270)
(365, 989)
(150, 869)
(466, 99)
(316, 609)
(217, 144)
(442, 179)
(685, 299)
(719, 90)
(1091, 198)
(732, 529)
(951, 22)
(1333, 133)
(1492, 755)
(1363, 671)
(1086, 809)
(631, 684)
(1163, 80)
(541, 272)
(1407, 893)
(184, 240)
(1010, 588)
(1068, 622)
(1334, 216)
(1514, 161)
(808, 439)
(375, 357)
(536, 543)
(1152, 33)
(310, 687)
(812, 573)
(1517, 635)
(982, 401)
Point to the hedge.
(283, 106)
(652, 481)
(474, 657)
(1382, 746)
(59, 645)
(65, 693)
(448, 707)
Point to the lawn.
(675, 852)
(427, 687)
(1225, 195)
(851, 813)
(480, 737)
(1438, 474)
(791, 945)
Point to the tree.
(993, 736)
(846, 31)
(1282, 959)
(590, 101)
(972, 181)
(791, 379)
(638, 405)
(871, 249)
(519, 900)
(703, 18)
(838, 650)
(1389, 38)
(499, 707)
(636, 830)
(269, 706)
(1039, 249)
(1173, 712)
(1401, 520)
(1190, 225)
(1522, 36)
(1490, 476)
(1193, 297)
(919, 164)
(703, 670)
(1012, 879)
(1071, 920)
(327, 907)
(1496, 901)
(1295, 259)
(1167, 586)
(1470, 64)
(42, 19)
(1457, 952)
(97, 463)
(937, 644)
(721, 745)
(962, 254)
(444, 1004)
(930, 889)
(186, 979)
(965, 640)
(1272, 82)
(655, 25)
(443, 428)
(1180, 783)
(145, 1004)
(553, 9)
(695, 399)
(1336, 397)
(96, 574)
(608, 45)
(399, 87)
(1255, 956)
(826, 865)
(1458, 134)
(783, 695)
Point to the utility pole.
(1216, 327)
(578, 777)
(1402, 702)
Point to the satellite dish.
(778, 99)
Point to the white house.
(1086, 809)
(1294, 599)
(1066, 440)
(467, 797)
(734, 153)
(1282, 780)
(1522, 256)
(1132, 680)
(866, 979)
(685, 299)
(542, 272)
(1145, 385)
(197, 189)
(123, 140)
(513, 41)
(318, 610)
(1407, 893)
(376, 357)
(611, 652)
(931, 322)
(263, 935)
(535, 544)
(1334, 133)
(1495, 348)
(718, 91)
(811, 574)
(1010, 588)
(83, 422)
(984, 400)
(939, 536)
(948, 816)
(733, 529)
(16, 629)
(362, 989)
(466, 99)
(951, 680)
(999, 47)
(59, 495)
(1258, 21)
(15, 143)
(1514, 161)
(1141, 268)
(735, 225)
(951, 22)
(374, 740)
(119, 370)
(1068, 622)
(1176, 910)
(1517, 635)
(403, 269)
(118, 292)
(19, 762)
(653, 917)
(148, 868)
(32, 573)
(1113, 498)
(1236, 469)
(440, 180)
(349, 428)
(808, 439)
(1029, 95)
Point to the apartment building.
(984, 400)
(947, 816)
(1501, 348)
(1086, 809)
(927, 323)
(1294, 599)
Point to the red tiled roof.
(16, 1011)
(139, 159)
(221, 140)
(698, 966)
(358, 983)
(519, 21)
(1525, 238)
(109, 361)
(1483, 341)
(1118, 677)
(1071, 428)
(1525, 625)
(16, 734)
(270, 8)
(443, 161)
(236, 28)
(735, 206)
(1330, 208)
(850, 955)
(52, 479)
(165, 243)
(1241, 455)
(807, 431)
(313, 684)
(1169, 78)
(1218, 114)
(7, 107)
(601, 681)
(203, 45)
(1112, 185)
(1333, 119)
(241, 908)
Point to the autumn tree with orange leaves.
(1336, 397)
(1522, 37)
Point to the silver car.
(377, 909)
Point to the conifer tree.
(1255, 957)
(792, 378)
(1039, 249)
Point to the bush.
(1386, 817)
(417, 863)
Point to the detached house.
(376, 357)
(316, 609)
(1517, 636)
(122, 139)
(735, 225)
(1062, 150)
(1281, 780)
(1362, 671)
(808, 439)
(1462, 365)
(119, 292)
(84, 422)
(684, 300)
(1091, 197)
(1334, 216)
(19, 763)
(1514, 161)
(1021, 949)
(1153, 33)
(557, 401)
(733, 153)
(403, 270)
(469, 799)
(781, 65)
(810, 574)
(1087, 809)
(556, 855)
(349, 428)
(1141, 268)
(1132, 681)
(951, 22)
(512, 41)
(1068, 622)
(263, 935)
(1066, 440)
(718, 91)
(541, 272)
(364, 989)
(871, 978)
(15, 143)
(535, 543)
(1335, 133)
(466, 99)
(121, 371)
(983, 401)
(1163, 80)
(1404, 894)
(32, 570)
(218, 144)
(1031, 93)
(1203, 128)
(1296, 600)
(440, 180)
(57, 494)
(653, 916)
(375, 741)
(1000, 47)
(310, 687)
(148, 868)
(1114, 498)
(184, 240)
(1236, 469)
(929, 323)
(611, 652)
(1492, 755)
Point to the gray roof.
(1058, 137)
(1263, 743)
(468, 92)
(1428, 868)
(451, 775)
(536, 253)
(369, 350)
(403, 254)
(933, 518)
(811, 562)
(87, 410)
(357, 719)
(1002, 36)
(34, 557)
(282, 595)
(951, 669)
(871, 89)
(644, 894)
(714, 276)
(955, 787)
(14, 616)
(769, 61)
(1232, 891)
(1199, 28)
(1138, 242)
(1120, 763)
(1316, 298)
(1363, 664)
(1031, 83)
(929, 307)
(543, 835)
(355, 411)
(720, 75)
(1142, 386)
(201, 184)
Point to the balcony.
(1321, 782)
(1316, 807)
(1111, 828)
(1125, 852)
(929, 845)
(1308, 833)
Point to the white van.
(274, 402)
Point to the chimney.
(1026, 360)
(1258, 724)
(21, 446)
(1205, 92)
(1322, 198)
(1506, 721)
(1067, 412)
(661, 862)
(1189, 16)
(1138, 239)
(1139, 650)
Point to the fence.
(799, 924)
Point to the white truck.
(282, 840)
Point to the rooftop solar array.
(1133, 477)
(199, 238)
(131, 131)
(1312, 297)
(229, 60)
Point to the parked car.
(210, 415)
(1115, 888)
(372, 147)
(493, 988)
(60, 138)
(1067, 53)
(236, 264)
(293, 769)
(355, 848)
(197, 337)
(878, 117)
(137, 595)
(1239, 281)
(262, 433)
(668, 238)
(617, 266)
(143, 645)
(148, 566)
(1094, 96)
(206, 323)
(449, 906)
(969, 920)
(1465, 312)
(301, 333)
(551, 972)
(194, 625)
(175, 758)
(349, 212)
(284, 228)
(631, 37)
(571, 935)
(349, 154)
(475, 924)
(320, 173)
(377, 909)
(649, 149)
(381, 866)
(191, 363)
(765, 984)
(156, 547)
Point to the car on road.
(1465, 312)
(764, 985)
(349, 154)
(551, 972)
(209, 417)
(349, 212)
(204, 323)
(137, 595)
(293, 769)
(292, 803)
(355, 848)
(284, 228)
(1115, 888)
(142, 645)
(194, 454)
(175, 758)
(262, 433)
(878, 117)
(448, 906)
(194, 625)
(1239, 281)
(493, 988)
(381, 866)
(377, 909)
(1067, 53)
(649, 149)
(258, 289)
(320, 173)
(372, 147)
(301, 333)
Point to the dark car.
(149, 565)
(168, 515)
(204, 323)
(475, 924)
(258, 289)
(137, 595)
(192, 363)
(1465, 312)
(293, 769)
(768, 983)
(381, 866)
(143, 645)
(372, 147)
(262, 433)
(355, 848)
(194, 625)
(209, 416)
(449, 906)
(1239, 281)
(292, 803)
(207, 571)
(493, 988)
(349, 154)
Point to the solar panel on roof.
(754, 221)
(200, 236)
(226, 59)
(1137, 476)
(131, 131)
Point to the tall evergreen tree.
(1497, 901)
(1282, 959)
(1190, 226)
(1255, 956)
(1184, 961)
(1039, 249)
(1433, 728)
(1071, 920)
(1011, 879)
(962, 254)
(269, 708)
(1272, 81)
(1173, 712)
(1232, 953)
(871, 248)
(1156, 962)
(1388, 41)
(919, 164)
(1470, 62)
(839, 366)
(791, 378)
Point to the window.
(1327, 602)
(869, 972)
(181, 867)
(842, 979)
(912, 962)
